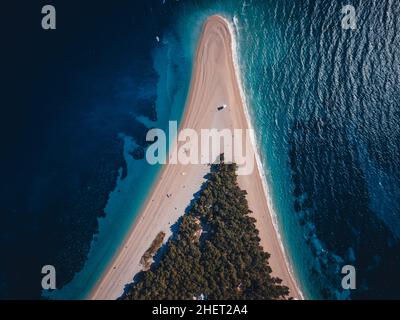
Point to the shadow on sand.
(174, 230)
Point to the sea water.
(325, 101)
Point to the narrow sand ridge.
(213, 82)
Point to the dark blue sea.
(76, 104)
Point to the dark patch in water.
(331, 195)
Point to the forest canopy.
(216, 252)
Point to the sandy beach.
(214, 82)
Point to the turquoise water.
(324, 102)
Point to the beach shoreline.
(215, 60)
(233, 30)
